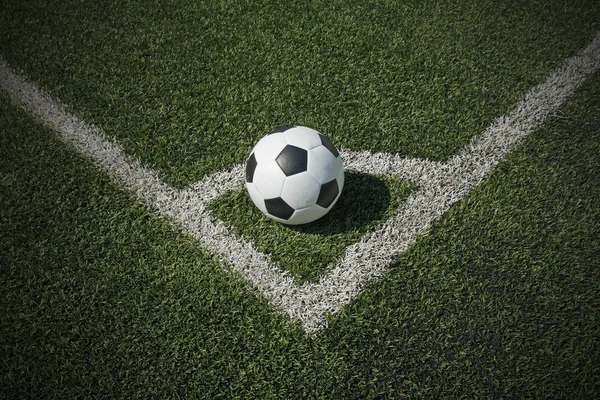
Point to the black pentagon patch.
(281, 129)
(277, 207)
(328, 193)
(250, 168)
(292, 160)
(327, 143)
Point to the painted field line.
(85, 138)
(441, 185)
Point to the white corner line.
(85, 138)
(441, 185)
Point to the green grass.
(308, 250)
(502, 299)
(100, 298)
(190, 87)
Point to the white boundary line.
(441, 185)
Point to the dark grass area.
(102, 299)
(307, 251)
(190, 87)
(502, 299)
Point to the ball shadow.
(364, 201)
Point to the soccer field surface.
(461, 260)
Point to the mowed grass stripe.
(189, 87)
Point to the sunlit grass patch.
(308, 250)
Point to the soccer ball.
(294, 175)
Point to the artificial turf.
(502, 298)
(103, 299)
(189, 87)
(100, 298)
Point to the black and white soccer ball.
(294, 175)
